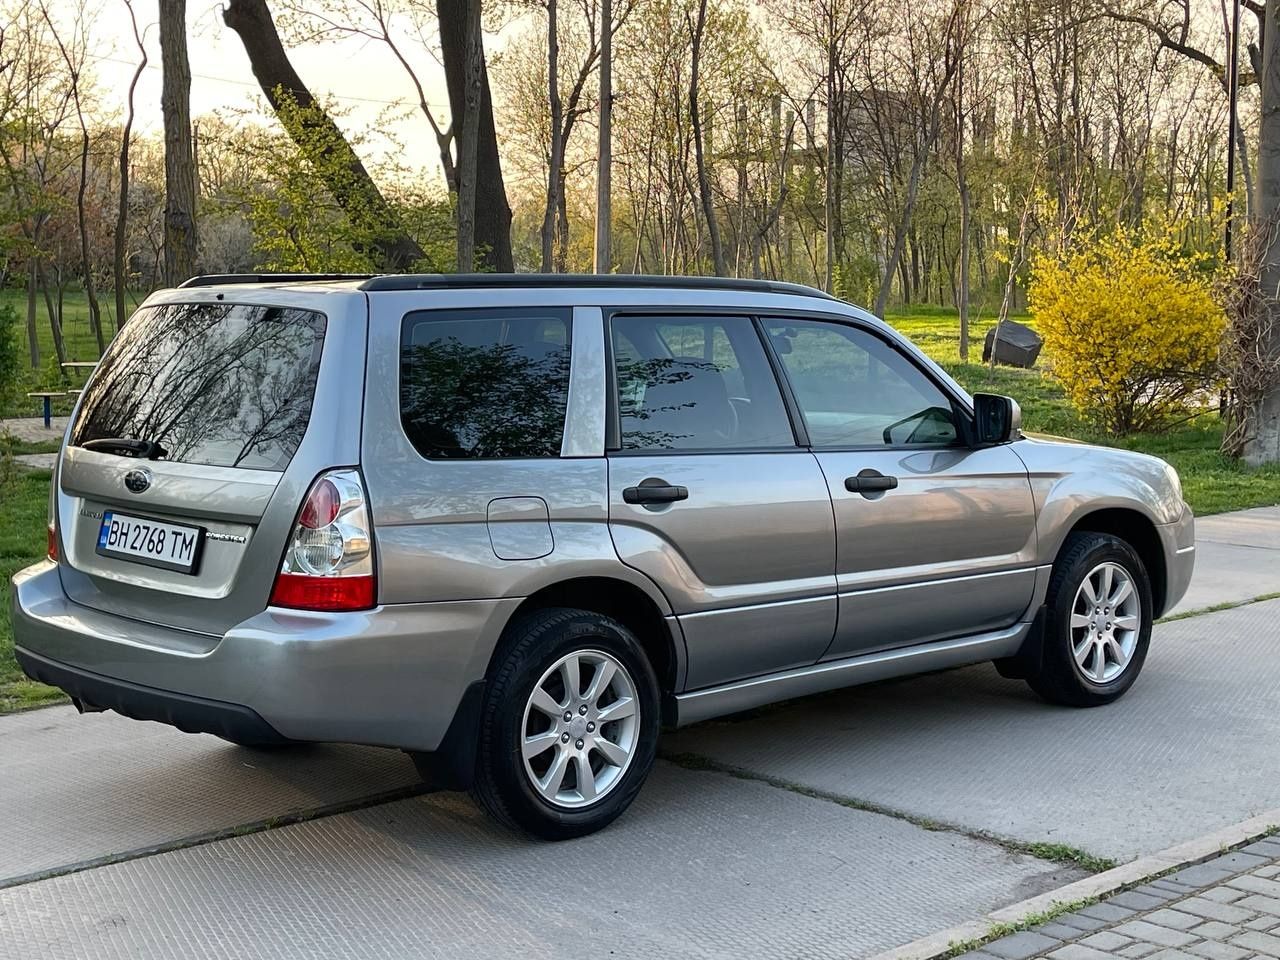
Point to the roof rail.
(218, 279)
(461, 281)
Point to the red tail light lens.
(52, 542)
(322, 593)
(328, 564)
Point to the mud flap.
(1027, 661)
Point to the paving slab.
(33, 430)
(704, 865)
(1191, 748)
(78, 788)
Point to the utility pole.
(603, 209)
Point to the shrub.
(1131, 328)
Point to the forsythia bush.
(1131, 328)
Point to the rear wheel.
(569, 725)
(1098, 614)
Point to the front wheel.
(569, 725)
(1098, 614)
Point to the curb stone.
(1126, 876)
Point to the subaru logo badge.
(137, 481)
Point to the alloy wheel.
(580, 729)
(1106, 619)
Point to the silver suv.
(516, 524)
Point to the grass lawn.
(1211, 482)
(80, 345)
(24, 506)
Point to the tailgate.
(181, 479)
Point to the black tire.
(502, 786)
(1060, 679)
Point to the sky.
(361, 74)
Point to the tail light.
(328, 564)
(53, 543)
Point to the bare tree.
(469, 136)
(942, 74)
(119, 264)
(462, 58)
(704, 181)
(180, 163)
(312, 128)
(73, 59)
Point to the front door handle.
(654, 490)
(870, 482)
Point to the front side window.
(695, 383)
(855, 390)
(226, 385)
(484, 384)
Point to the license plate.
(172, 546)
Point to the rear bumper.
(392, 676)
(187, 713)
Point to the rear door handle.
(870, 481)
(655, 490)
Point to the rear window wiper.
(125, 447)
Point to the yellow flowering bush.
(1130, 327)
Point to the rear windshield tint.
(221, 384)
(485, 384)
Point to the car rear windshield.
(227, 385)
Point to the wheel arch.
(1135, 528)
(630, 605)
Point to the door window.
(696, 383)
(481, 384)
(855, 390)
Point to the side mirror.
(996, 419)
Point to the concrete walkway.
(779, 858)
(1237, 558)
(32, 429)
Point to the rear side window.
(228, 385)
(485, 384)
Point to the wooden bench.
(47, 397)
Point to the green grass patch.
(1211, 482)
(24, 510)
(80, 345)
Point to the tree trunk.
(179, 159)
(900, 235)
(86, 265)
(695, 120)
(468, 145)
(33, 335)
(55, 316)
(603, 259)
(492, 214)
(356, 193)
(962, 186)
(119, 271)
(1263, 446)
(556, 160)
